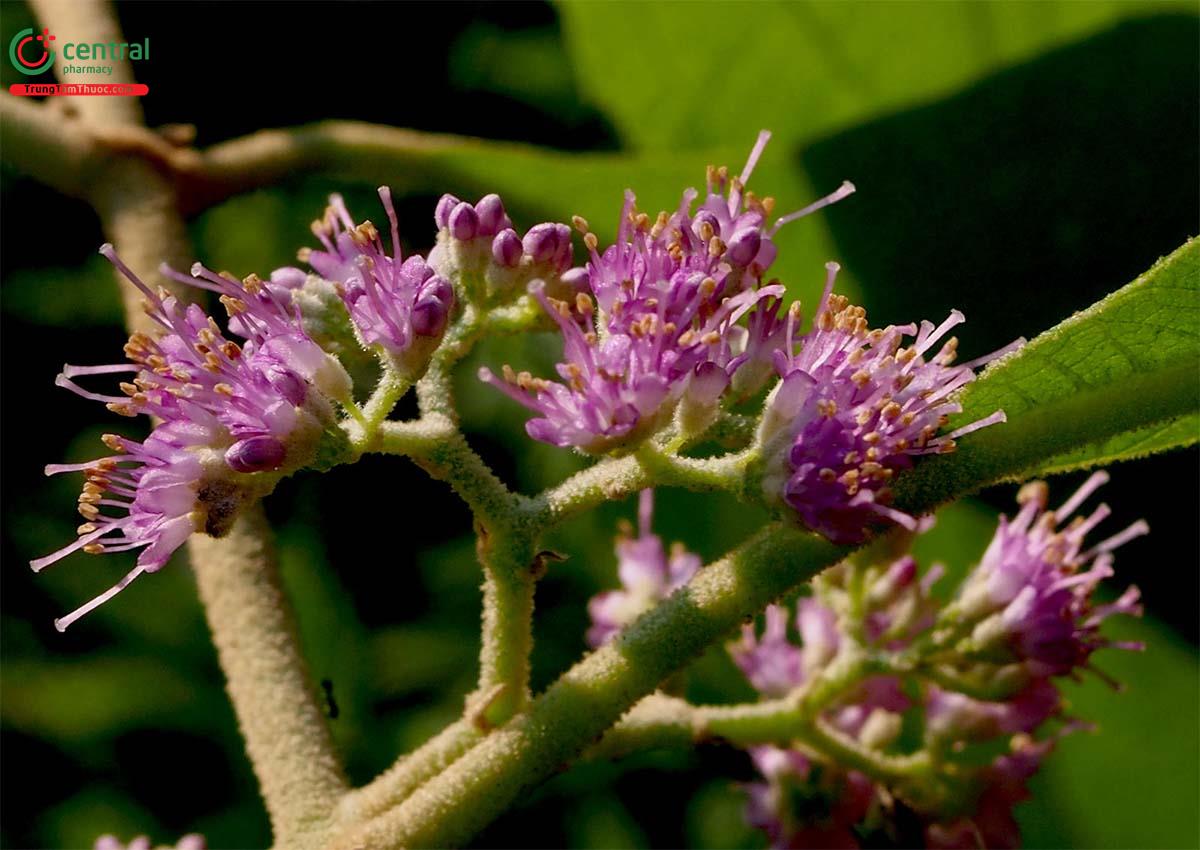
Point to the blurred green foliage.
(1018, 160)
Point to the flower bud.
(289, 277)
(543, 241)
(507, 248)
(441, 214)
(492, 218)
(429, 317)
(463, 222)
(701, 400)
(744, 246)
(256, 454)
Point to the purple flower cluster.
(660, 319)
(1027, 615)
(648, 573)
(854, 407)
(1030, 598)
(479, 245)
(401, 306)
(231, 418)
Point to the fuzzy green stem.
(510, 576)
(435, 390)
(591, 696)
(409, 773)
(723, 473)
(391, 388)
(605, 481)
(660, 720)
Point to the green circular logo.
(26, 43)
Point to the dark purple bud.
(490, 210)
(429, 317)
(290, 385)
(743, 246)
(416, 269)
(506, 248)
(437, 287)
(542, 242)
(256, 454)
(289, 277)
(708, 382)
(576, 278)
(441, 213)
(564, 254)
(463, 222)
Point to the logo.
(17, 51)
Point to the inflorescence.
(663, 332)
(956, 704)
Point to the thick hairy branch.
(286, 735)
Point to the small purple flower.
(400, 305)
(648, 575)
(1032, 591)
(620, 386)
(854, 407)
(951, 716)
(233, 418)
(739, 219)
(1003, 785)
(800, 805)
(770, 661)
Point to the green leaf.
(1143, 442)
(1146, 332)
(1115, 381)
(691, 77)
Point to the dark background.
(1017, 161)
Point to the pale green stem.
(724, 473)
(605, 481)
(591, 696)
(732, 430)
(505, 548)
(435, 390)
(907, 772)
(510, 576)
(522, 316)
(947, 679)
(661, 720)
(392, 787)
(391, 388)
